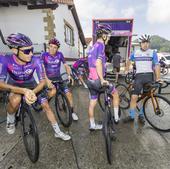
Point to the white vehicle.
(165, 58)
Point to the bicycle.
(28, 129)
(108, 120)
(62, 105)
(130, 76)
(156, 107)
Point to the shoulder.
(44, 54)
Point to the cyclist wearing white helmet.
(97, 68)
(145, 60)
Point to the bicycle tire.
(164, 71)
(60, 96)
(156, 120)
(27, 118)
(107, 127)
(124, 96)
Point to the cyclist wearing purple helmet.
(20, 68)
(52, 61)
(97, 68)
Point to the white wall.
(19, 19)
(30, 22)
(60, 14)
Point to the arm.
(11, 88)
(129, 62)
(39, 87)
(157, 72)
(99, 69)
(157, 66)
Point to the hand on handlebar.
(104, 82)
(71, 80)
(30, 96)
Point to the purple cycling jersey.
(20, 74)
(52, 64)
(96, 52)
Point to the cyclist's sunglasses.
(27, 51)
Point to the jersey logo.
(28, 71)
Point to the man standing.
(145, 60)
(97, 68)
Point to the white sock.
(116, 114)
(92, 122)
(10, 118)
(56, 128)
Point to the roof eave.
(76, 18)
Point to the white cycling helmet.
(144, 38)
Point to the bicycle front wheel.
(29, 133)
(157, 113)
(124, 96)
(108, 134)
(63, 109)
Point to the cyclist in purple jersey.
(18, 69)
(52, 63)
(97, 68)
(76, 64)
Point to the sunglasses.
(27, 51)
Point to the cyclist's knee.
(134, 98)
(52, 92)
(14, 100)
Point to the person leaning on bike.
(19, 69)
(52, 61)
(147, 64)
(97, 68)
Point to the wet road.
(136, 147)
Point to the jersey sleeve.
(42, 56)
(100, 50)
(132, 57)
(155, 58)
(62, 58)
(3, 68)
(39, 69)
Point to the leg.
(12, 107)
(70, 98)
(52, 92)
(51, 117)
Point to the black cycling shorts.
(140, 80)
(95, 87)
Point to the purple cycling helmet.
(18, 40)
(106, 29)
(54, 41)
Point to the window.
(69, 33)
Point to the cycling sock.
(56, 128)
(116, 114)
(132, 113)
(92, 122)
(10, 118)
(72, 110)
(141, 111)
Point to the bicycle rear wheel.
(29, 133)
(124, 96)
(108, 134)
(63, 109)
(159, 119)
